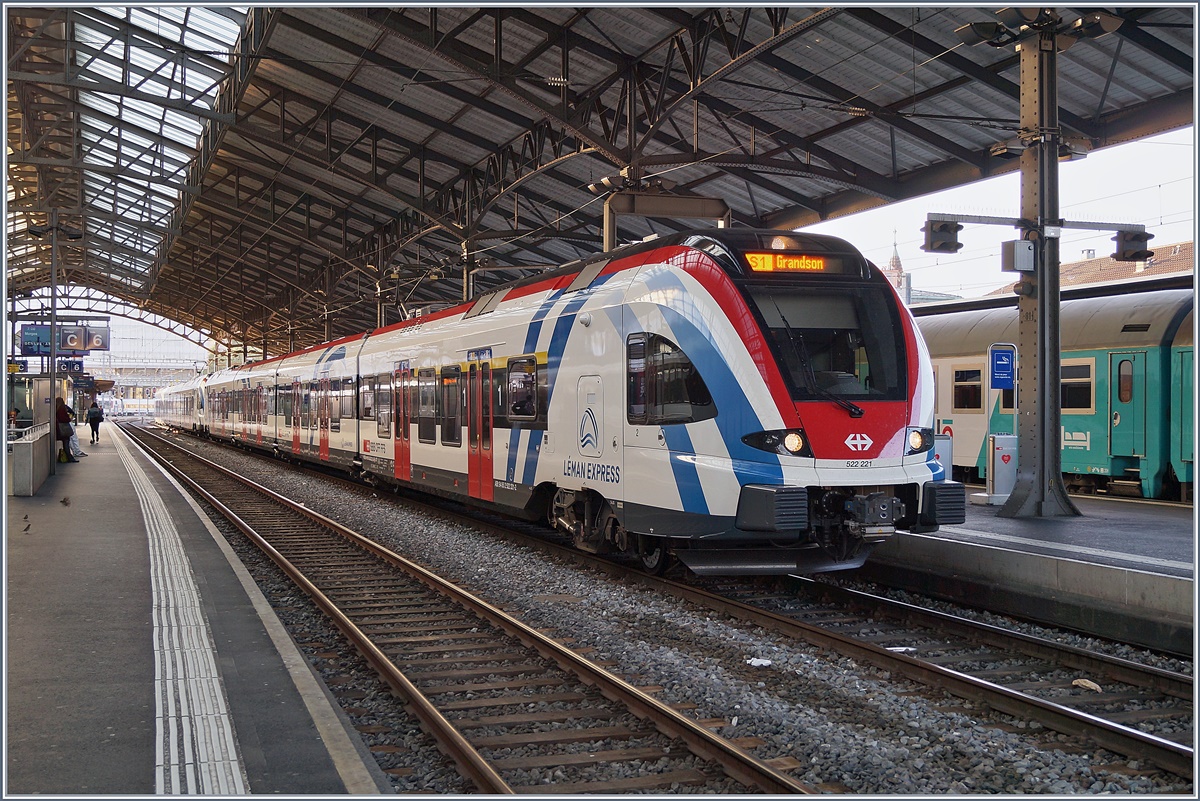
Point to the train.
(744, 401)
(1127, 385)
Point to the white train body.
(642, 401)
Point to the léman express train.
(746, 401)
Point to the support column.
(1039, 491)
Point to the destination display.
(777, 262)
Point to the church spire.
(895, 271)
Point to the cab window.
(664, 387)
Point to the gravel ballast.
(852, 726)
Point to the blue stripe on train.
(558, 344)
(736, 416)
(531, 338)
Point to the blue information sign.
(1003, 368)
(35, 341)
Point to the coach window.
(383, 406)
(427, 405)
(348, 393)
(366, 391)
(306, 407)
(451, 406)
(522, 389)
(336, 394)
(1125, 381)
(1077, 394)
(968, 390)
(664, 386)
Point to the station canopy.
(271, 178)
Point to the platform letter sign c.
(70, 338)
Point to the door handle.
(1116, 420)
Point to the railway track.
(509, 705)
(1114, 703)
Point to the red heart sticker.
(1006, 458)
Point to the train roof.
(1140, 319)
(1182, 280)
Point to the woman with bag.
(94, 415)
(64, 429)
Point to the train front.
(841, 456)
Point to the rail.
(279, 540)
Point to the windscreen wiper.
(810, 378)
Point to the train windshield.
(842, 341)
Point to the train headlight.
(919, 440)
(789, 442)
(793, 442)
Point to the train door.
(1182, 425)
(260, 411)
(297, 394)
(1127, 404)
(403, 404)
(480, 476)
(323, 410)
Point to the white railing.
(28, 434)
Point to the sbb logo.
(858, 442)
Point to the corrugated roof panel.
(331, 207)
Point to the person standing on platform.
(76, 448)
(94, 415)
(63, 429)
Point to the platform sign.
(70, 367)
(18, 365)
(97, 338)
(35, 341)
(72, 338)
(1004, 366)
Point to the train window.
(451, 406)
(383, 406)
(1125, 381)
(847, 342)
(306, 407)
(522, 389)
(366, 394)
(426, 405)
(404, 412)
(486, 412)
(348, 397)
(664, 386)
(335, 404)
(968, 390)
(473, 415)
(284, 393)
(1077, 391)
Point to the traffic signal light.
(941, 236)
(1131, 246)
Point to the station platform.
(1123, 568)
(141, 657)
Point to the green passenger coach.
(1126, 389)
